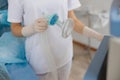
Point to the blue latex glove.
(115, 18)
(4, 24)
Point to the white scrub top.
(27, 11)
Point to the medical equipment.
(105, 65)
(97, 67)
(115, 18)
(113, 67)
(66, 26)
(4, 24)
(52, 20)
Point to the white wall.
(97, 5)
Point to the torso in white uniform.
(62, 48)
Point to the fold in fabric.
(11, 51)
(3, 73)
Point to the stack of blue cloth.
(13, 63)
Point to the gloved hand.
(40, 25)
(91, 33)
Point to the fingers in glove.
(42, 24)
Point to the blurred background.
(95, 14)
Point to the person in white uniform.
(28, 21)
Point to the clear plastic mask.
(66, 26)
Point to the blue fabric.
(3, 18)
(12, 49)
(115, 18)
(21, 71)
(4, 24)
(3, 73)
(3, 4)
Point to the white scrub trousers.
(63, 73)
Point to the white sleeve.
(15, 11)
(73, 4)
